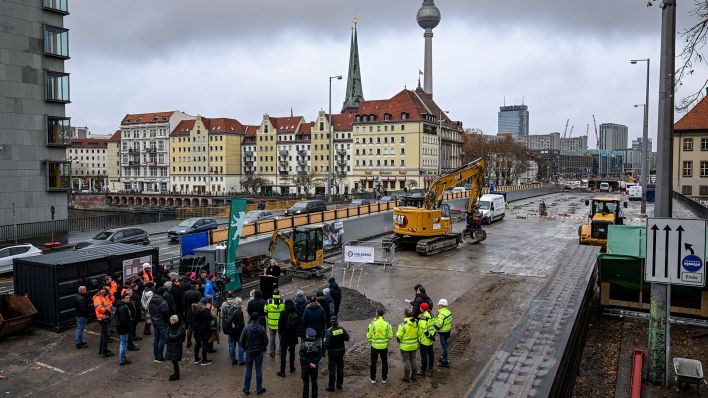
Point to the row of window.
(189, 178)
(79, 150)
(145, 172)
(378, 129)
(386, 162)
(688, 190)
(193, 139)
(688, 144)
(378, 140)
(386, 151)
(688, 168)
(147, 146)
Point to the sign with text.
(676, 251)
(358, 254)
(132, 266)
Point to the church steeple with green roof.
(354, 95)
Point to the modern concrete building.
(145, 145)
(80, 132)
(613, 137)
(540, 141)
(574, 143)
(690, 168)
(637, 144)
(88, 158)
(34, 129)
(514, 120)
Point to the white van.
(604, 187)
(492, 208)
(635, 192)
(458, 189)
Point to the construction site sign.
(675, 252)
(236, 218)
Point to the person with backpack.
(232, 324)
(273, 309)
(254, 341)
(310, 356)
(287, 327)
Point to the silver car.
(9, 253)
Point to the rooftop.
(695, 119)
(89, 142)
(139, 118)
(214, 126)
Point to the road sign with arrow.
(675, 251)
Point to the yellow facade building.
(113, 162)
(690, 160)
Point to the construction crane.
(423, 223)
(566, 128)
(587, 129)
(571, 131)
(597, 136)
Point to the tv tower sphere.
(428, 15)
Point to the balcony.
(283, 161)
(283, 173)
(302, 162)
(133, 150)
(248, 153)
(248, 161)
(341, 152)
(283, 152)
(151, 150)
(342, 163)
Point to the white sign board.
(132, 266)
(675, 251)
(358, 254)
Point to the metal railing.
(696, 208)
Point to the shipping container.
(52, 281)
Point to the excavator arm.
(273, 243)
(473, 170)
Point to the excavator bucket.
(475, 236)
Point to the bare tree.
(695, 39)
(506, 160)
(253, 183)
(305, 182)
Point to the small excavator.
(305, 246)
(422, 222)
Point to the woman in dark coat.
(300, 304)
(288, 324)
(174, 339)
(201, 322)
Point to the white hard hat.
(442, 302)
(147, 265)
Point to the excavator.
(305, 245)
(423, 223)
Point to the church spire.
(354, 94)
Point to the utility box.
(16, 314)
(52, 281)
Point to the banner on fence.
(194, 241)
(358, 254)
(236, 218)
(333, 235)
(132, 266)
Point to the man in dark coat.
(334, 340)
(310, 356)
(327, 306)
(123, 326)
(336, 292)
(254, 341)
(159, 316)
(192, 296)
(287, 328)
(314, 317)
(420, 297)
(232, 324)
(81, 311)
(300, 304)
(174, 338)
(258, 305)
(178, 296)
(201, 322)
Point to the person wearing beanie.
(334, 340)
(160, 317)
(336, 292)
(175, 339)
(443, 325)
(310, 356)
(426, 338)
(254, 341)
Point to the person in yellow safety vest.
(443, 324)
(379, 334)
(426, 337)
(102, 305)
(273, 308)
(407, 336)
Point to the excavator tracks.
(439, 244)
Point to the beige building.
(88, 164)
(342, 152)
(205, 156)
(690, 158)
(113, 162)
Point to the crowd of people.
(187, 308)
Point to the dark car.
(306, 206)
(360, 202)
(191, 226)
(259, 215)
(116, 235)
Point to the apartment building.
(342, 152)
(205, 156)
(248, 151)
(88, 164)
(34, 129)
(145, 141)
(690, 160)
(113, 162)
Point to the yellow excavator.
(424, 224)
(605, 211)
(305, 245)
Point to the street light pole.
(440, 142)
(645, 141)
(330, 155)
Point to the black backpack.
(229, 323)
(292, 322)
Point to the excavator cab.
(308, 248)
(604, 211)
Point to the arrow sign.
(680, 252)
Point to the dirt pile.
(355, 306)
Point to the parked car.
(386, 198)
(360, 202)
(259, 215)
(458, 189)
(191, 226)
(116, 235)
(306, 206)
(9, 253)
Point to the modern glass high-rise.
(613, 137)
(514, 120)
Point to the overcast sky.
(567, 59)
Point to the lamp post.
(645, 140)
(330, 155)
(440, 120)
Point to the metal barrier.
(696, 208)
(384, 252)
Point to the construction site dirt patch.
(355, 306)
